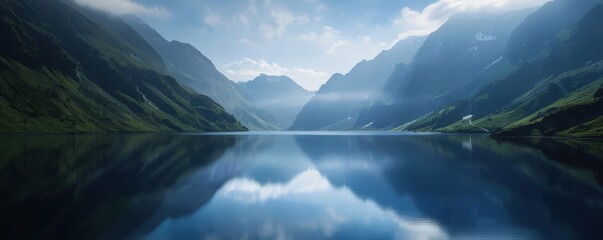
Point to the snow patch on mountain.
(495, 62)
(484, 38)
(368, 125)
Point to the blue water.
(317, 185)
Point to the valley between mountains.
(530, 72)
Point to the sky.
(307, 40)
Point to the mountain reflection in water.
(299, 186)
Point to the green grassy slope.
(550, 100)
(192, 69)
(551, 95)
(64, 69)
(577, 114)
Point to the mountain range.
(279, 95)
(338, 102)
(527, 72)
(64, 68)
(457, 58)
(68, 69)
(551, 90)
(192, 69)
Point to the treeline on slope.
(68, 69)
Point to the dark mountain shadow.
(465, 183)
(582, 155)
(91, 186)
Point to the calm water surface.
(299, 186)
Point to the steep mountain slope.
(578, 109)
(279, 95)
(536, 32)
(554, 93)
(65, 69)
(455, 60)
(338, 102)
(193, 69)
(458, 51)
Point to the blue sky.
(308, 40)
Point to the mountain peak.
(280, 83)
(279, 95)
(198, 72)
(264, 76)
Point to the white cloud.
(125, 7)
(245, 17)
(364, 39)
(252, 9)
(210, 18)
(329, 39)
(310, 37)
(348, 96)
(310, 72)
(267, 3)
(242, 19)
(282, 20)
(335, 45)
(417, 23)
(251, 68)
(247, 69)
(321, 8)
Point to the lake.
(299, 186)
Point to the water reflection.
(300, 187)
(306, 207)
(76, 187)
(472, 186)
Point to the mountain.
(554, 92)
(571, 104)
(68, 69)
(191, 68)
(463, 54)
(536, 32)
(79, 177)
(338, 102)
(279, 95)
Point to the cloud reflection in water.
(341, 206)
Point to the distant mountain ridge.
(277, 83)
(551, 92)
(527, 72)
(193, 69)
(537, 31)
(68, 69)
(65, 68)
(338, 102)
(279, 95)
(455, 60)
